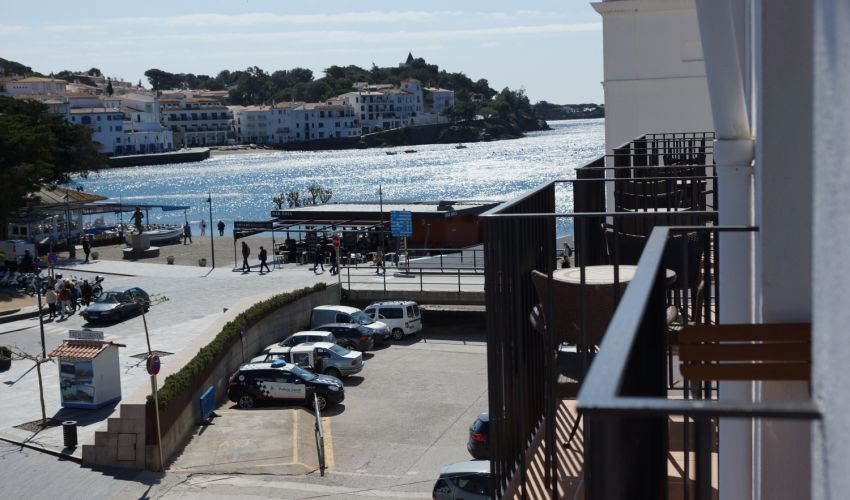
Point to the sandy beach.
(188, 255)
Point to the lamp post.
(212, 238)
(381, 205)
(37, 280)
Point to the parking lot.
(404, 417)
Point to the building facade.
(143, 131)
(293, 122)
(196, 121)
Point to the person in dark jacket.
(319, 259)
(86, 247)
(263, 256)
(245, 253)
(221, 228)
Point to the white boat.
(165, 234)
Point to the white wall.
(783, 180)
(654, 72)
(831, 256)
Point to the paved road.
(402, 420)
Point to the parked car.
(323, 315)
(479, 437)
(318, 357)
(351, 335)
(302, 337)
(463, 480)
(117, 304)
(402, 317)
(282, 382)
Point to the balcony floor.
(570, 461)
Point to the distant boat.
(391, 152)
(409, 150)
(460, 146)
(167, 234)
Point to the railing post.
(458, 280)
(703, 458)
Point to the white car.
(318, 357)
(402, 317)
(302, 337)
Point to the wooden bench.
(746, 352)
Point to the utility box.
(89, 374)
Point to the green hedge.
(187, 377)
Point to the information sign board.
(401, 223)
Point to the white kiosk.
(89, 374)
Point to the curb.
(8, 318)
(43, 449)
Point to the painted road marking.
(329, 443)
(295, 438)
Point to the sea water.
(243, 185)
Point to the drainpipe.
(722, 35)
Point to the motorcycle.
(97, 288)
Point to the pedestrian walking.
(50, 297)
(86, 292)
(203, 227)
(187, 233)
(379, 261)
(65, 300)
(318, 260)
(333, 270)
(263, 256)
(221, 228)
(245, 253)
(76, 294)
(86, 247)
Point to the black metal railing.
(520, 237)
(626, 399)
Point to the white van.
(402, 317)
(323, 315)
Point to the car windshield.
(361, 318)
(342, 351)
(110, 298)
(303, 374)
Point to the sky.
(551, 48)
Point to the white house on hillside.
(36, 86)
(143, 131)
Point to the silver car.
(319, 357)
(468, 480)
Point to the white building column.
(723, 41)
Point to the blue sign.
(401, 223)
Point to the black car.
(282, 382)
(117, 304)
(351, 335)
(479, 437)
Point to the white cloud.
(64, 28)
(257, 18)
(10, 29)
(334, 37)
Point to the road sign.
(85, 334)
(335, 241)
(401, 223)
(153, 365)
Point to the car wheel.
(398, 334)
(246, 401)
(333, 372)
(323, 401)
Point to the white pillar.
(723, 43)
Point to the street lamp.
(212, 238)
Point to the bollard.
(69, 432)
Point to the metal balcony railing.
(626, 396)
(655, 180)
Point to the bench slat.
(769, 351)
(748, 371)
(788, 332)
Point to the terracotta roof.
(81, 349)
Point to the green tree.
(39, 148)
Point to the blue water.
(243, 185)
